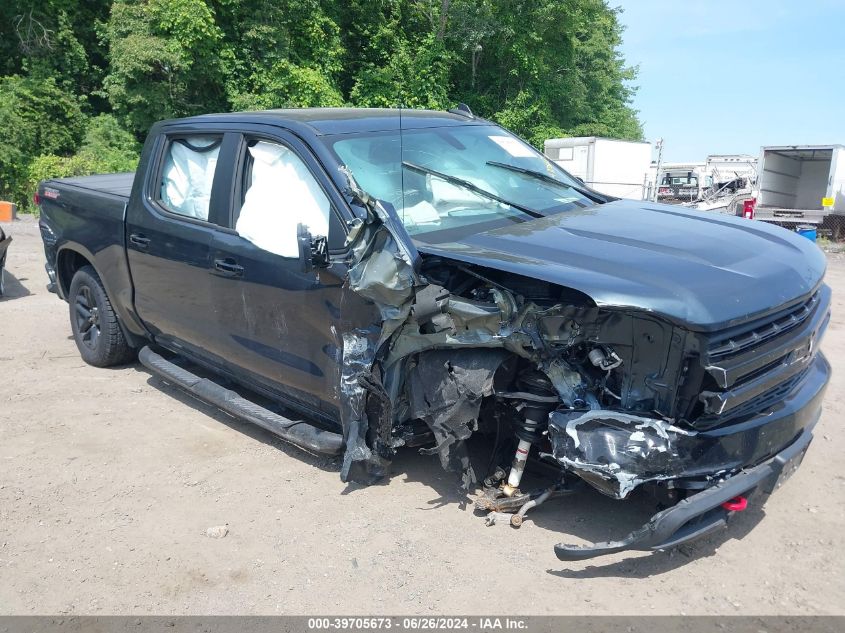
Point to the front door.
(279, 325)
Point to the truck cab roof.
(325, 121)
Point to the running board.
(296, 432)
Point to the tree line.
(82, 82)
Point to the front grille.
(750, 368)
(745, 337)
(765, 369)
(757, 404)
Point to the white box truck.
(681, 182)
(610, 166)
(800, 183)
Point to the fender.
(117, 277)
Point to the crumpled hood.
(706, 270)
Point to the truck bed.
(114, 184)
(89, 212)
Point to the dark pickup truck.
(372, 279)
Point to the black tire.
(95, 328)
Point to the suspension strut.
(539, 398)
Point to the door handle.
(229, 267)
(139, 240)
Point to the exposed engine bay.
(611, 397)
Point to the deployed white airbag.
(421, 213)
(445, 196)
(188, 176)
(283, 194)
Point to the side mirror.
(313, 251)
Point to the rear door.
(170, 228)
(836, 188)
(279, 326)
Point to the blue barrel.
(807, 231)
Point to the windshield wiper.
(530, 172)
(466, 184)
(538, 175)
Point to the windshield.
(451, 180)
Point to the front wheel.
(95, 328)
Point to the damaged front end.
(616, 397)
(615, 452)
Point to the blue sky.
(721, 76)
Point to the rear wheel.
(95, 328)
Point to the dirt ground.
(109, 480)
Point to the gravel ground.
(110, 481)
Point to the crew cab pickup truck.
(365, 280)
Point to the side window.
(188, 173)
(281, 193)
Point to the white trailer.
(610, 166)
(800, 183)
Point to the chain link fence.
(833, 228)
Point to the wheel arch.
(69, 259)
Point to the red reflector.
(36, 198)
(737, 504)
(748, 208)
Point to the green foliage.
(280, 54)
(104, 134)
(64, 60)
(106, 70)
(36, 115)
(531, 119)
(54, 38)
(84, 163)
(286, 85)
(413, 76)
(544, 66)
(165, 61)
(106, 148)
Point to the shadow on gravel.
(13, 288)
(645, 564)
(323, 462)
(585, 515)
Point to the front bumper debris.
(615, 452)
(702, 513)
